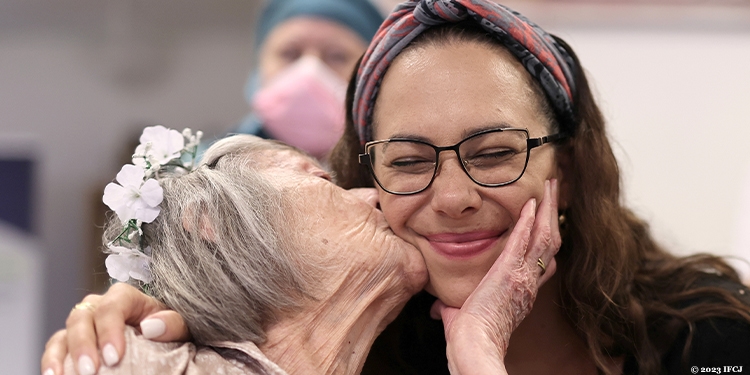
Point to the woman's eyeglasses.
(491, 158)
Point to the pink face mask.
(304, 106)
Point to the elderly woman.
(462, 111)
(305, 51)
(263, 274)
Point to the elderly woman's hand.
(99, 321)
(478, 333)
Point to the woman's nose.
(453, 192)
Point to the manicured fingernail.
(49, 372)
(153, 328)
(86, 365)
(109, 353)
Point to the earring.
(562, 224)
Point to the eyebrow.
(466, 133)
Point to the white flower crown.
(136, 198)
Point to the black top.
(717, 342)
(415, 343)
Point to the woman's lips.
(463, 245)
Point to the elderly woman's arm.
(479, 332)
(100, 323)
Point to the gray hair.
(218, 256)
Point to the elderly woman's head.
(474, 73)
(258, 234)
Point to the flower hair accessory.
(136, 197)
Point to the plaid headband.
(543, 57)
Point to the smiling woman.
(444, 71)
(479, 89)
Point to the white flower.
(187, 133)
(193, 140)
(134, 198)
(150, 172)
(158, 145)
(125, 263)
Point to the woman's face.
(442, 94)
(335, 45)
(351, 235)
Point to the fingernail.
(85, 365)
(49, 372)
(153, 328)
(109, 353)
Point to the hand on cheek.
(507, 292)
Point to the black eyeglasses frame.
(531, 143)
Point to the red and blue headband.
(543, 57)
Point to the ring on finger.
(540, 263)
(84, 306)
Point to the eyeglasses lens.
(490, 159)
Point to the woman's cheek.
(396, 212)
(534, 188)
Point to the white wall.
(676, 93)
(678, 108)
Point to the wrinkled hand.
(101, 324)
(479, 332)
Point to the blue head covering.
(358, 15)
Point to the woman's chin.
(452, 295)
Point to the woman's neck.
(546, 342)
(336, 335)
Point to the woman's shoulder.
(713, 342)
(143, 356)
(739, 291)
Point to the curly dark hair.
(624, 293)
